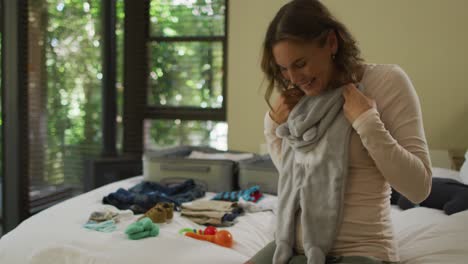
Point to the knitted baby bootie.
(168, 208)
(156, 214)
(141, 229)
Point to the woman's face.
(306, 64)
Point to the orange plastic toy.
(222, 238)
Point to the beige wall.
(428, 38)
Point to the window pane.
(119, 32)
(64, 90)
(186, 74)
(171, 18)
(168, 133)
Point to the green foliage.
(176, 132)
(119, 32)
(186, 73)
(171, 18)
(181, 74)
(73, 63)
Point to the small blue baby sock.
(246, 194)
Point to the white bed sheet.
(56, 235)
(429, 236)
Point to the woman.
(308, 55)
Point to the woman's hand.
(284, 104)
(356, 102)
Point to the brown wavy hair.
(308, 20)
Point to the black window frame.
(136, 108)
(14, 114)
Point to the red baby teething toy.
(222, 238)
(210, 230)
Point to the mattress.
(56, 235)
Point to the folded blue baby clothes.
(105, 226)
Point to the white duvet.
(56, 235)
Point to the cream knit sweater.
(387, 148)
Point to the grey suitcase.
(171, 166)
(260, 171)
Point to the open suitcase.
(172, 166)
(260, 171)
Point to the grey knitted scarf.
(314, 161)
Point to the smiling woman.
(301, 63)
(341, 133)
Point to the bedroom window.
(52, 83)
(186, 95)
(64, 96)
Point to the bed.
(56, 235)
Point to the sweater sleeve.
(394, 137)
(273, 142)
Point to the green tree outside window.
(186, 73)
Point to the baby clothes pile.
(143, 196)
(210, 212)
(105, 220)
